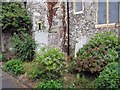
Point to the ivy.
(51, 12)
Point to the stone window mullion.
(119, 11)
(107, 11)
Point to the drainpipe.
(118, 23)
(1, 38)
(68, 53)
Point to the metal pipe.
(68, 53)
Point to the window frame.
(74, 8)
(107, 24)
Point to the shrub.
(33, 70)
(15, 66)
(112, 55)
(101, 50)
(24, 46)
(52, 61)
(109, 77)
(14, 17)
(53, 85)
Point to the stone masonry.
(82, 26)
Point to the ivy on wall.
(64, 27)
(51, 12)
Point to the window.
(78, 6)
(102, 12)
(39, 25)
(113, 11)
(108, 11)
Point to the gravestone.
(41, 39)
(82, 40)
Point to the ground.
(8, 81)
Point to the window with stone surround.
(39, 25)
(108, 12)
(78, 6)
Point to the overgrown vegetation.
(15, 66)
(24, 46)
(99, 57)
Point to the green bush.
(52, 61)
(109, 77)
(109, 39)
(24, 46)
(53, 85)
(112, 55)
(101, 50)
(15, 66)
(14, 17)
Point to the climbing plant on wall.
(64, 28)
(51, 12)
(15, 17)
(52, 8)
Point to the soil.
(26, 79)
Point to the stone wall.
(58, 36)
(82, 26)
(39, 12)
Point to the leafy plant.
(0, 57)
(15, 18)
(109, 77)
(83, 82)
(24, 46)
(15, 66)
(33, 69)
(112, 55)
(101, 50)
(51, 84)
(52, 60)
